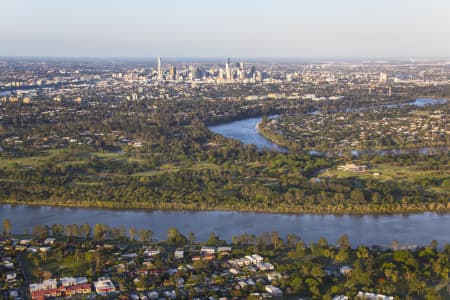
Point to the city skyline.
(263, 29)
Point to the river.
(246, 131)
(408, 229)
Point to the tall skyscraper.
(241, 73)
(227, 70)
(228, 74)
(195, 72)
(159, 69)
(173, 72)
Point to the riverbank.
(384, 209)
(273, 137)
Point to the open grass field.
(55, 265)
(32, 161)
(404, 174)
(171, 168)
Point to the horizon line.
(219, 58)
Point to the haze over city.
(200, 28)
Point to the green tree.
(132, 232)
(57, 230)
(292, 240)
(322, 243)
(191, 237)
(362, 252)
(277, 242)
(213, 240)
(86, 230)
(145, 235)
(344, 242)
(175, 238)
(6, 227)
(99, 231)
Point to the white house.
(345, 270)
(104, 286)
(372, 296)
(151, 252)
(208, 250)
(274, 291)
(265, 266)
(224, 249)
(273, 276)
(258, 258)
(179, 254)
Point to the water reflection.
(409, 229)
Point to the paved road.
(26, 278)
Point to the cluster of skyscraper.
(231, 73)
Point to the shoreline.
(297, 211)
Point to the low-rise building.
(151, 252)
(265, 266)
(340, 297)
(179, 254)
(345, 270)
(274, 291)
(224, 249)
(373, 296)
(273, 276)
(65, 287)
(104, 286)
(208, 250)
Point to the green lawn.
(170, 168)
(387, 172)
(67, 266)
(32, 161)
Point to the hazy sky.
(221, 28)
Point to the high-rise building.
(241, 74)
(383, 77)
(173, 72)
(229, 75)
(195, 72)
(159, 69)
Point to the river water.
(246, 131)
(408, 229)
